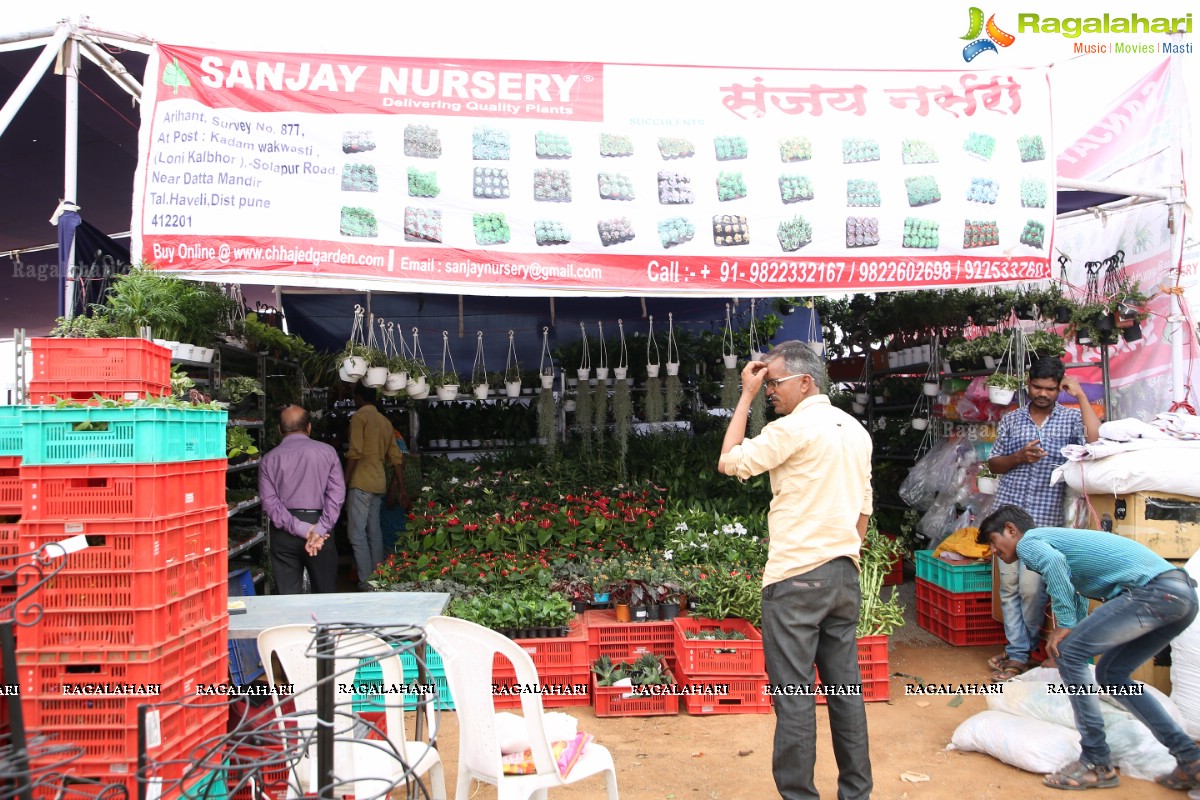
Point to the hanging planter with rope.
(602, 367)
(621, 371)
(728, 350)
(397, 376)
(653, 356)
(446, 381)
(585, 359)
(417, 386)
(756, 351)
(354, 356)
(512, 369)
(377, 370)
(546, 366)
(479, 370)
(672, 347)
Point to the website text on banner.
(560, 178)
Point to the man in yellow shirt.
(371, 445)
(819, 460)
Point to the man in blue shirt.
(1028, 447)
(1147, 602)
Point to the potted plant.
(397, 374)
(354, 362)
(1093, 324)
(445, 384)
(1002, 386)
(240, 392)
(986, 480)
(239, 445)
(1046, 344)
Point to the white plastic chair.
(365, 768)
(467, 651)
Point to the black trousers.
(289, 560)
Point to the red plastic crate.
(121, 491)
(10, 486)
(42, 393)
(553, 655)
(124, 774)
(272, 780)
(130, 628)
(10, 541)
(87, 589)
(99, 360)
(558, 689)
(873, 666)
(724, 657)
(190, 658)
(744, 695)
(952, 608)
(960, 618)
(610, 701)
(136, 544)
(625, 641)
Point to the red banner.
(528, 177)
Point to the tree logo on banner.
(994, 37)
(174, 76)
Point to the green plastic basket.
(10, 430)
(120, 435)
(962, 578)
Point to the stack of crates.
(954, 602)
(139, 614)
(81, 369)
(562, 666)
(627, 642)
(729, 676)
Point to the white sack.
(1169, 469)
(1185, 666)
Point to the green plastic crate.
(371, 674)
(963, 578)
(10, 430)
(121, 435)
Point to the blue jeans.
(366, 535)
(1023, 602)
(810, 619)
(1126, 632)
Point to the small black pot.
(1133, 333)
(1062, 314)
(668, 610)
(1105, 324)
(580, 606)
(640, 613)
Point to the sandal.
(1182, 777)
(1010, 670)
(1079, 775)
(996, 663)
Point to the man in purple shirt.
(300, 482)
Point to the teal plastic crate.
(10, 430)
(371, 674)
(961, 578)
(52, 436)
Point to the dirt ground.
(728, 757)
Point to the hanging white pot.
(620, 372)
(583, 374)
(354, 368)
(652, 370)
(920, 423)
(602, 373)
(730, 361)
(417, 392)
(672, 367)
(386, 392)
(375, 377)
(1000, 396)
(396, 381)
(858, 408)
(512, 388)
(987, 485)
(447, 392)
(861, 398)
(931, 388)
(415, 384)
(481, 391)
(756, 355)
(547, 381)
(345, 376)
(989, 362)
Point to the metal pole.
(1108, 409)
(70, 165)
(325, 706)
(20, 755)
(30, 81)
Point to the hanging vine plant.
(547, 423)
(674, 397)
(600, 413)
(622, 423)
(653, 404)
(758, 414)
(583, 420)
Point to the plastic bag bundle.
(931, 474)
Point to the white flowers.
(680, 527)
(668, 554)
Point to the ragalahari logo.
(995, 36)
(174, 76)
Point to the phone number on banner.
(881, 272)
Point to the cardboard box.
(1168, 524)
